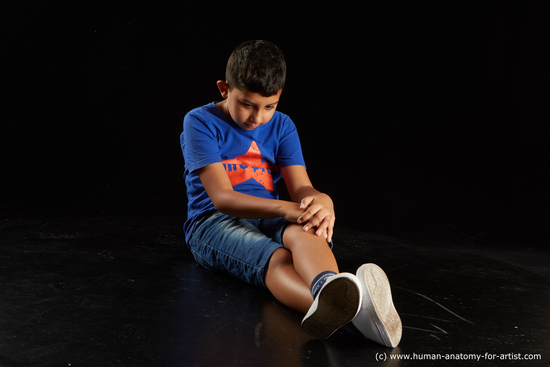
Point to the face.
(249, 110)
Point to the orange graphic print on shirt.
(250, 165)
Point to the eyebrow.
(249, 102)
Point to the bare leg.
(285, 284)
(289, 274)
(311, 253)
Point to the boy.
(235, 151)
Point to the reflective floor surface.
(125, 291)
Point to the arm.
(230, 202)
(309, 206)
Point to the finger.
(306, 202)
(306, 215)
(305, 205)
(313, 222)
(313, 215)
(324, 228)
(321, 221)
(331, 229)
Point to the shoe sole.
(336, 305)
(384, 314)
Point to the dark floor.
(124, 291)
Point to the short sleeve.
(290, 150)
(199, 143)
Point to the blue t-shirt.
(252, 159)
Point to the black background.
(425, 119)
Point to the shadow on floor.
(125, 291)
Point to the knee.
(294, 235)
(294, 230)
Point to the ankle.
(319, 281)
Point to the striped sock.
(319, 281)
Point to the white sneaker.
(337, 303)
(378, 319)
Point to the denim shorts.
(238, 247)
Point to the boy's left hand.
(318, 213)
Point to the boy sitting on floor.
(235, 151)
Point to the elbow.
(221, 208)
(222, 202)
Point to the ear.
(223, 87)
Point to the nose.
(257, 117)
